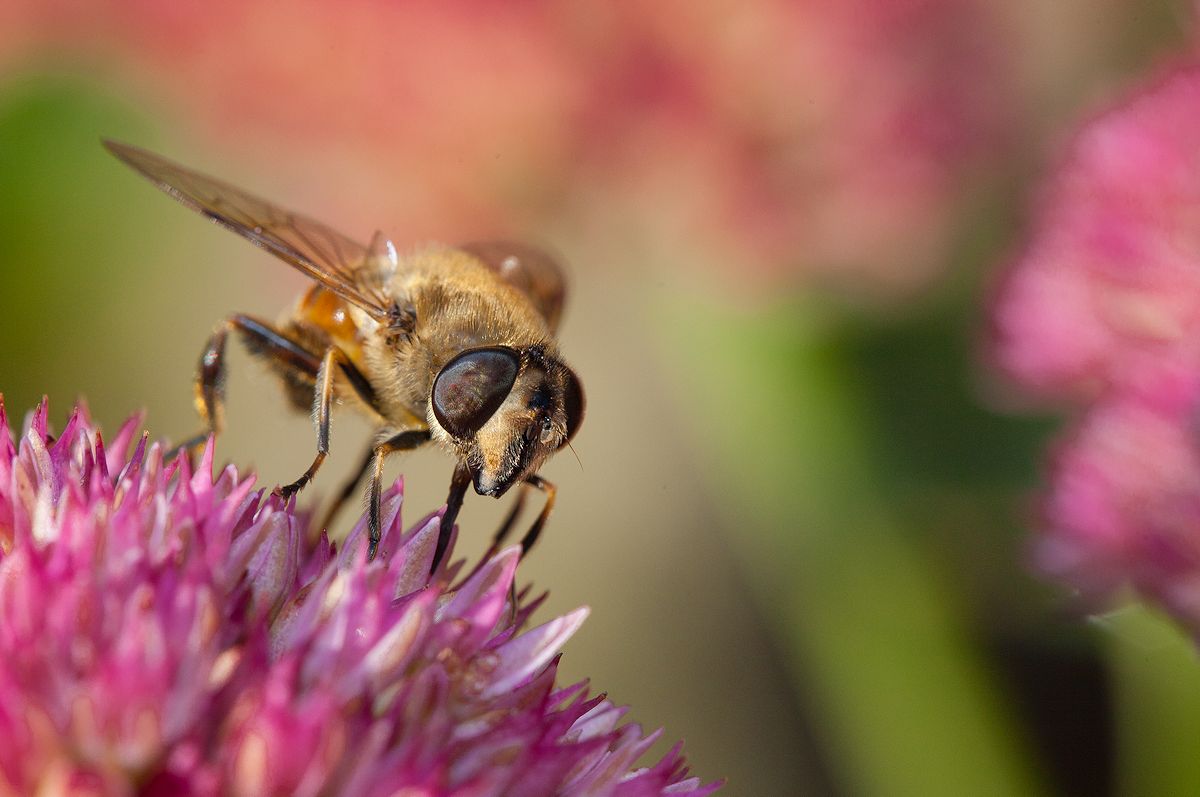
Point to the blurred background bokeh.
(801, 503)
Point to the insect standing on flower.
(454, 345)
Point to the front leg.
(459, 483)
(530, 482)
(511, 519)
(536, 529)
(458, 487)
(404, 441)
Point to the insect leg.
(404, 441)
(510, 520)
(459, 483)
(551, 491)
(322, 404)
(210, 381)
(259, 337)
(502, 533)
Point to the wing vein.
(320, 252)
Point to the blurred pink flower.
(1124, 503)
(167, 632)
(826, 137)
(775, 137)
(1103, 308)
(1109, 284)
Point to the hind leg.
(288, 356)
(259, 337)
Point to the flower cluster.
(821, 136)
(1103, 309)
(165, 631)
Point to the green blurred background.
(801, 503)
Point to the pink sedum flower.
(1103, 308)
(164, 631)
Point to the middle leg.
(322, 406)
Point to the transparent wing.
(337, 262)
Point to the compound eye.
(471, 387)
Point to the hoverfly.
(450, 345)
